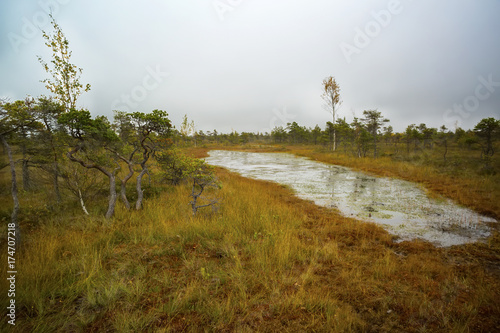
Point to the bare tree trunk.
(15, 210)
(110, 175)
(140, 192)
(80, 196)
(55, 178)
(123, 191)
(123, 185)
(145, 158)
(334, 130)
(201, 184)
(82, 203)
(112, 195)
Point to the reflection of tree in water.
(365, 191)
(332, 175)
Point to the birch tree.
(331, 96)
(65, 82)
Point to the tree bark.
(15, 210)
(145, 158)
(112, 196)
(82, 203)
(123, 185)
(334, 130)
(110, 175)
(140, 192)
(56, 164)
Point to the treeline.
(362, 137)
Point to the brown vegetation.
(267, 261)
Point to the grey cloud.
(233, 73)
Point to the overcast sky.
(250, 65)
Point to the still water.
(401, 207)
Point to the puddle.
(401, 207)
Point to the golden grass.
(267, 261)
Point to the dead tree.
(203, 178)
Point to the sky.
(251, 65)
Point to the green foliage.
(297, 134)
(279, 134)
(488, 129)
(18, 115)
(65, 83)
(373, 120)
(177, 167)
(80, 125)
(123, 126)
(344, 132)
(154, 122)
(48, 111)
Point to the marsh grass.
(267, 261)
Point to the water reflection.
(401, 207)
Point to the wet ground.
(402, 207)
